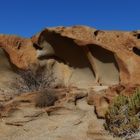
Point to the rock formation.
(84, 67)
(111, 56)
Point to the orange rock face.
(20, 50)
(113, 56)
(107, 57)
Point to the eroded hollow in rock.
(11, 83)
(82, 73)
(79, 69)
(106, 65)
(136, 51)
(4, 63)
(137, 35)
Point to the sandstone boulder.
(92, 56)
(81, 70)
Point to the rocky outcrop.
(20, 50)
(70, 72)
(102, 57)
(103, 98)
(78, 56)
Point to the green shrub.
(123, 115)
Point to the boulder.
(93, 57)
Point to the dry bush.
(38, 80)
(46, 98)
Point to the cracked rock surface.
(57, 85)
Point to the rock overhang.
(82, 56)
(120, 43)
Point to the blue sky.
(27, 17)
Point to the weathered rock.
(102, 99)
(65, 123)
(78, 56)
(11, 83)
(81, 64)
(93, 56)
(20, 50)
(16, 54)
